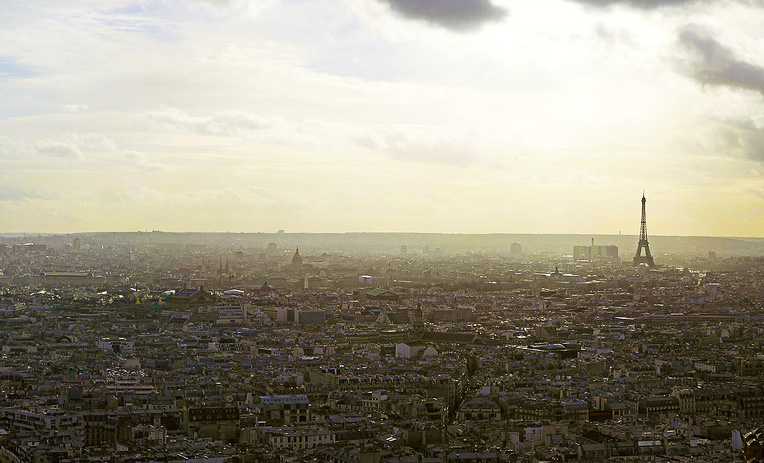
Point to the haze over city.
(549, 116)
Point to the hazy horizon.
(391, 244)
(350, 232)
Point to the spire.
(297, 258)
(643, 243)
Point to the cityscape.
(381, 231)
(156, 347)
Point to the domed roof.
(297, 258)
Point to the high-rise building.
(607, 252)
(516, 249)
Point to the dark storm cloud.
(715, 64)
(451, 14)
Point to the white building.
(408, 350)
(232, 314)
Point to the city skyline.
(382, 115)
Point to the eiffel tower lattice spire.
(643, 243)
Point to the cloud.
(423, 144)
(218, 3)
(611, 35)
(640, 4)
(756, 192)
(746, 137)
(427, 144)
(12, 192)
(92, 142)
(71, 146)
(459, 15)
(14, 149)
(715, 64)
(249, 7)
(140, 158)
(76, 108)
(228, 123)
(224, 3)
(57, 149)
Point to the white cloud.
(429, 144)
(70, 147)
(229, 123)
(76, 108)
(16, 149)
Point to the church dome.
(297, 258)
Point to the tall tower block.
(643, 243)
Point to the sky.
(452, 116)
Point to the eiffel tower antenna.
(643, 243)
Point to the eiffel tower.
(638, 257)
